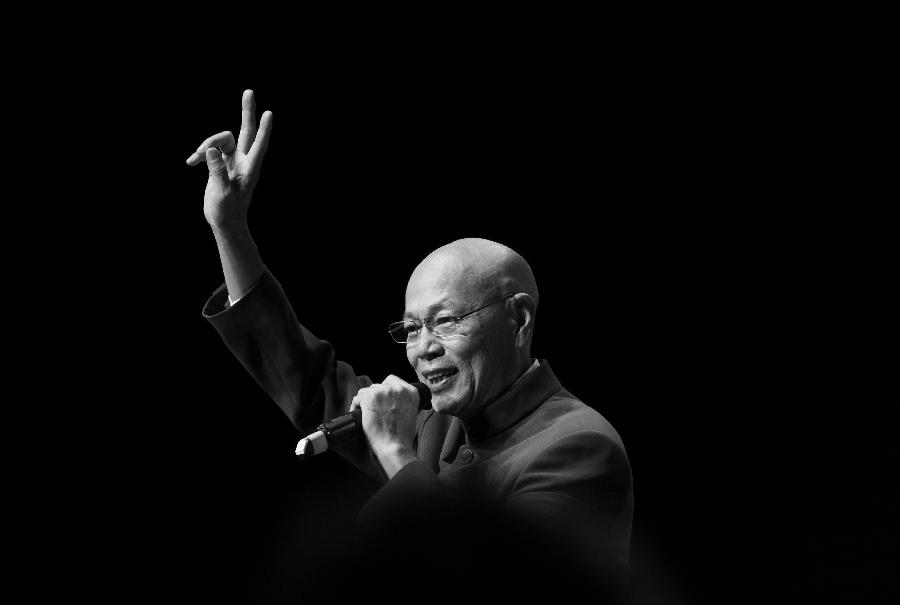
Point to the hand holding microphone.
(384, 413)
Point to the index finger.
(423, 392)
(225, 140)
(392, 379)
(248, 122)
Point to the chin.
(454, 400)
(447, 404)
(444, 405)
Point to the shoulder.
(571, 449)
(565, 417)
(564, 439)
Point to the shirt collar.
(520, 399)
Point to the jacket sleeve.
(297, 370)
(412, 498)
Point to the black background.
(627, 154)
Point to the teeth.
(436, 378)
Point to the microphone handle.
(346, 427)
(349, 425)
(342, 427)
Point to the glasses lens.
(403, 331)
(443, 326)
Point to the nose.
(427, 346)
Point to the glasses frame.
(428, 322)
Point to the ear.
(524, 309)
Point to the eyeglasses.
(442, 326)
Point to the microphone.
(345, 428)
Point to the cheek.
(478, 370)
(488, 364)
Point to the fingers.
(218, 171)
(398, 391)
(356, 402)
(251, 142)
(258, 150)
(395, 380)
(423, 395)
(366, 395)
(388, 388)
(248, 122)
(224, 140)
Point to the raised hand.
(233, 168)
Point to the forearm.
(296, 369)
(242, 264)
(293, 366)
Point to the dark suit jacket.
(537, 450)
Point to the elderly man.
(502, 430)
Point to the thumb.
(218, 172)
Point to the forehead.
(437, 286)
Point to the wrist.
(394, 456)
(231, 230)
(228, 216)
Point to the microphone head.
(424, 395)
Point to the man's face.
(468, 369)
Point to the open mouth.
(440, 378)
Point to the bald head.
(477, 270)
(492, 291)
